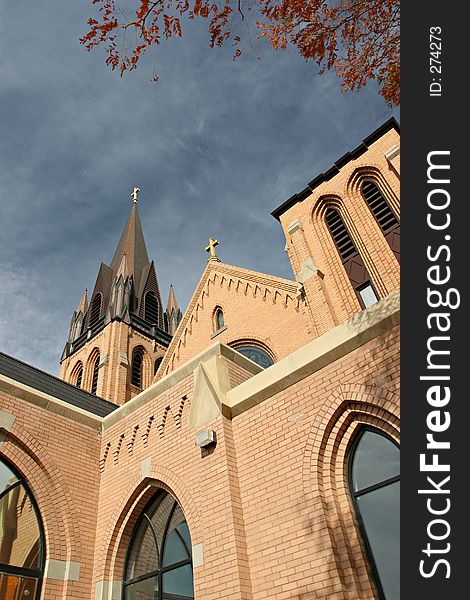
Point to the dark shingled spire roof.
(132, 245)
(172, 304)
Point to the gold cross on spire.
(135, 193)
(211, 248)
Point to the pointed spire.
(172, 304)
(173, 314)
(132, 246)
(83, 306)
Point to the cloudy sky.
(215, 146)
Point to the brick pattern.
(115, 343)
(338, 301)
(257, 307)
(58, 459)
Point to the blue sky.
(215, 146)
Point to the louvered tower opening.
(151, 308)
(94, 381)
(95, 310)
(351, 259)
(383, 214)
(136, 369)
(78, 381)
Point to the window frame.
(37, 574)
(156, 573)
(138, 350)
(355, 494)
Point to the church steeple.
(124, 316)
(173, 313)
(131, 248)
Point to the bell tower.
(117, 339)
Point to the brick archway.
(326, 489)
(122, 521)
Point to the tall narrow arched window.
(159, 559)
(95, 309)
(151, 308)
(158, 362)
(219, 320)
(96, 368)
(77, 374)
(351, 259)
(21, 538)
(383, 214)
(374, 478)
(136, 367)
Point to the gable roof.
(285, 288)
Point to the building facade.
(247, 449)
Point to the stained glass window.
(257, 355)
(159, 564)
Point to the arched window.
(151, 308)
(77, 374)
(95, 310)
(257, 355)
(21, 538)
(158, 362)
(383, 214)
(136, 367)
(374, 479)
(96, 368)
(159, 559)
(219, 321)
(351, 259)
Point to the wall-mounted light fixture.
(205, 438)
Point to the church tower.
(118, 339)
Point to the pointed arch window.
(219, 320)
(383, 214)
(159, 559)
(77, 374)
(95, 309)
(374, 479)
(351, 259)
(158, 362)
(21, 538)
(136, 367)
(96, 369)
(151, 308)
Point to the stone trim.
(62, 570)
(170, 380)
(316, 355)
(50, 403)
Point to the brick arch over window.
(256, 350)
(360, 266)
(325, 464)
(76, 375)
(112, 556)
(50, 492)
(92, 371)
(218, 318)
(141, 373)
(383, 214)
(371, 173)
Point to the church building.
(247, 449)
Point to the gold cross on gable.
(134, 193)
(211, 248)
